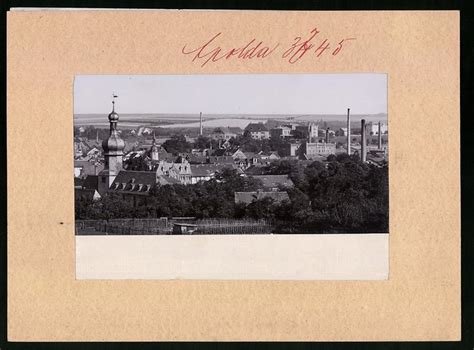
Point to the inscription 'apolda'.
(211, 51)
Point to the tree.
(177, 144)
(298, 134)
(264, 208)
(137, 163)
(202, 142)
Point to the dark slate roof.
(91, 182)
(235, 130)
(249, 197)
(272, 181)
(211, 160)
(139, 182)
(255, 170)
(255, 127)
(250, 155)
(209, 169)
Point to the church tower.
(113, 153)
(312, 133)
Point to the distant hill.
(216, 120)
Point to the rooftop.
(134, 181)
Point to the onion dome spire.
(114, 144)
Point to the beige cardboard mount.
(421, 300)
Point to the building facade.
(309, 150)
(257, 131)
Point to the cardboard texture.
(421, 300)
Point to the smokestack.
(327, 135)
(380, 135)
(348, 132)
(200, 123)
(363, 142)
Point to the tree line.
(340, 195)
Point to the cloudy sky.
(233, 94)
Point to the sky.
(363, 93)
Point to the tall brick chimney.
(363, 142)
(348, 132)
(200, 123)
(380, 135)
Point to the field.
(214, 120)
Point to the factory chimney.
(363, 142)
(348, 132)
(380, 135)
(200, 123)
(327, 135)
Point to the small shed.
(184, 228)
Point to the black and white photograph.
(229, 155)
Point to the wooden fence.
(163, 226)
(159, 226)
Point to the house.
(206, 172)
(211, 160)
(341, 132)
(249, 197)
(201, 152)
(272, 155)
(274, 182)
(290, 149)
(179, 170)
(292, 126)
(143, 130)
(222, 134)
(87, 182)
(310, 150)
(166, 180)
(134, 185)
(254, 159)
(238, 155)
(280, 132)
(323, 132)
(81, 147)
(309, 131)
(373, 128)
(257, 131)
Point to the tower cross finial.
(114, 96)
